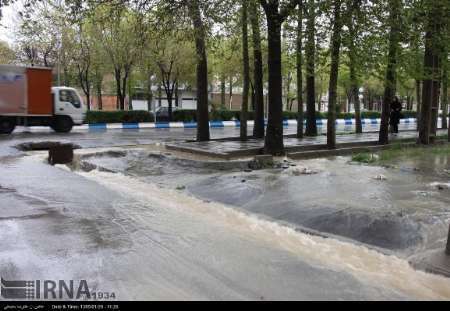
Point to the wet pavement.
(230, 147)
(146, 224)
(126, 237)
(402, 213)
(130, 137)
(398, 208)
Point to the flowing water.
(363, 263)
(403, 208)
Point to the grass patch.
(444, 137)
(396, 151)
(365, 157)
(399, 150)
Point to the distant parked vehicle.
(162, 113)
(27, 98)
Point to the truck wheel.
(62, 124)
(7, 125)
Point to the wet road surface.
(109, 138)
(124, 236)
(398, 208)
(132, 233)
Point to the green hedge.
(184, 116)
(226, 115)
(118, 116)
(349, 115)
(215, 115)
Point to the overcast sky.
(9, 22)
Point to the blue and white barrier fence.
(220, 124)
(212, 124)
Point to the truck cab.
(68, 103)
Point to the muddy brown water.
(399, 208)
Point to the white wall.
(139, 104)
(186, 100)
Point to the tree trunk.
(427, 92)
(231, 93)
(390, 81)
(299, 71)
(357, 105)
(121, 86)
(418, 102)
(177, 96)
(258, 128)
(99, 95)
(84, 80)
(159, 95)
(252, 97)
(273, 143)
(169, 90)
(202, 72)
(430, 88)
(435, 100)
(169, 104)
(124, 90)
(354, 77)
(288, 88)
(444, 98)
(118, 75)
(334, 73)
(246, 72)
(310, 51)
(222, 91)
(130, 95)
(149, 91)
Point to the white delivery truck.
(27, 98)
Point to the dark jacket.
(396, 109)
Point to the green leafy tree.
(7, 55)
(122, 34)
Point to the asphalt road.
(142, 241)
(109, 138)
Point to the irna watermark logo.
(50, 289)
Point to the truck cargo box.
(39, 85)
(13, 90)
(25, 90)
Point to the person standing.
(395, 116)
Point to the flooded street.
(378, 218)
(142, 245)
(405, 212)
(146, 223)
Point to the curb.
(218, 124)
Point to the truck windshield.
(69, 96)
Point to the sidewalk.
(235, 148)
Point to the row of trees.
(424, 24)
(294, 49)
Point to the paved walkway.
(236, 147)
